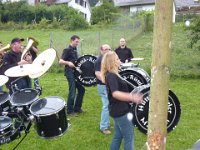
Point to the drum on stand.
(50, 116)
(141, 111)
(134, 75)
(4, 101)
(8, 132)
(24, 98)
(84, 70)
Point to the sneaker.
(79, 111)
(106, 132)
(72, 114)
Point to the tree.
(160, 73)
(105, 13)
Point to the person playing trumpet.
(11, 59)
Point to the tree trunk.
(160, 74)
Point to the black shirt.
(10, 59)
(69, 54)
(114, 83)
(124, 54)
(97, 67)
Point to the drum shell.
(136, 76)
(140, 111)
(86, 64)
(24, 98)
(5, 131)
(50, 125)
(4, 101)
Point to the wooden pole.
(160, 74)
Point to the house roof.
(178, 3)
(132, 2)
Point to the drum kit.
(18, 111)
(23, 107)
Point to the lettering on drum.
(141, 112)
(5, 140)
(87, 76)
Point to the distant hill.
(93, 2)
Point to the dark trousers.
(72, 104)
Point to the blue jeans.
(123, 128)
(73, 85)
(105, 118)
(1, 88)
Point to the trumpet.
(5, 48)
(2, 51)
(31, 42)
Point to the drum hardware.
(128, 65)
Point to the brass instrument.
(6, 48)
(2, 51)
(31, 42)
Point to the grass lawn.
(84, 134)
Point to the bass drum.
(50, 116)
(135, 76)
(141, 111)
(84, 72)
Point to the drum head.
(87, 75)
(24, 97)
(141, 111)
(4, 96)
(5, 122)
(47, 106)
(136, 76)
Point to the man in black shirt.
(11, 59)
(124, 53)
(68, 58)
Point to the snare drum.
(50, 116)
(7, 131)
(4, 101)
(136, 76)
(84, 72)
(24, 98)
(141, 111)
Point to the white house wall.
(81, 9)
(142, 8)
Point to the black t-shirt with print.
(117, 108)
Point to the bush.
(194, 34)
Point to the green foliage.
(194, 34)
(105, 13)
(41, 16)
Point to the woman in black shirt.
(119, 99)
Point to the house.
(179, 6)
(82, 6)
